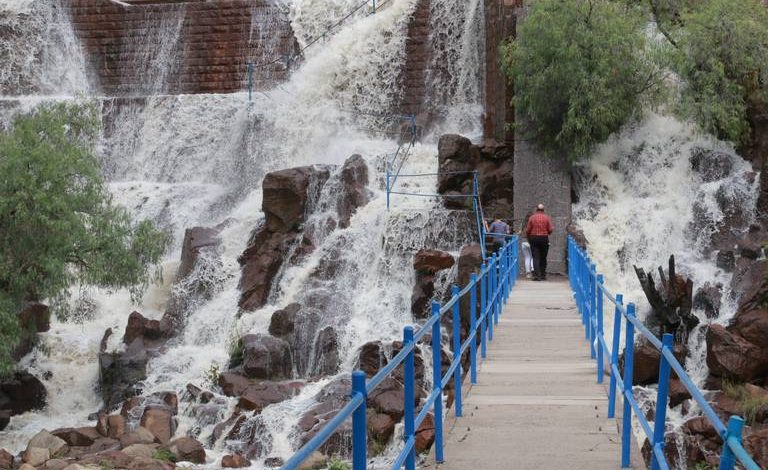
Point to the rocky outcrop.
(288, 196)
(427, 263)
(121, 372)
(646, 361)
(284, 320)
(709, 299)
(34, 318)
(354, 194)
(19, 394)
(493, 161)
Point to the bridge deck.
(537, 404)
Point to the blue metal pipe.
(473, 328)
(626, 419)
(436, 383)
(662, 397)
(359, 426)
(615, 357)
(409, 412)
(599, 334)
(456, 352)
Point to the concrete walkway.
(537, 404)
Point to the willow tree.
(580, 72)
(58, 224)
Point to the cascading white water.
(641, 201)
(199, 159)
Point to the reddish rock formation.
(354, 192)
(431, 261)
(188, 449)
(235, 461)
(158, 419)
(266, 357)
(426, 263)
(288, 194)
(208, 44)
(20, 393)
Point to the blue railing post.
(409, 413)
(626, 419)
(490, 302)
(615, 355)
(592, 310)
(496, 288)
(457, 350)
(483, 306)
(437, 380)
(662, 396)
(727, 458)
(599, 335)
(473, 327)
(359, 426)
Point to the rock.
(677, 392)
(102, 423)
(6, 459)
(26, 466)
(726, 260)
(646, 361)
(273, 462)
(700, 425)
(103, 444)
(78, 437)
(287, 195)
(422, 295)
(188, 449)
(380, 427)
(730, 355)
(5, 418)
(140, 327)
(110, 458)
(315, 460)
(56, 464)
(748, 284)
(257, 396)
(371, 358)
(158, 419)
(388, 398)
(470, 261)
(116, 426)
(21, 393)
(238, 461)
(150, 464)
(34, 318)
(354, 179)
(284, 320)
(432, 261)
(140, 435)
(170, 399)
(328, 401)
(711, 165)
(131, 408)
(326, 351)
(36, 456)
(756, 444)
(233, 384)
(709, 298)
(46, 440)
(140, 450)
(578, 235)
(121, 372)
(196, 241)
(749, 249)
(425, 435)
(266, 357)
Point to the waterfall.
(641, 199)
(189, 160)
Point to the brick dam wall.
(149, 47)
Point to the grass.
(165, 455)
(750, 405)
(703, 466)
(337, 464)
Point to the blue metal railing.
(490, 290)
(590, 293)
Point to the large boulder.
(197, 240)
(266, 357)
(709, 298)
(235, 461)
(121, 373)
(6, 459)
(78, 437)
(22, 392)
(431, 261)
(646, 357)
(259, 395)
(287, 198)
(284, 320)
(45, 440)
(354, 179)
(140, 327)
(326, 350)
(188, 449)
(422, 295)
(730, 355)
(711, 165)
(158, 419)
(371, 358)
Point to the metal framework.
(590, 292)
(490, 289)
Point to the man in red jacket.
(538, 229)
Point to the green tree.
(580, 71)
(58, 224)
(721, 54)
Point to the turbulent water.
(194, 160)
(641, 201)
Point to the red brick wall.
(215, 41)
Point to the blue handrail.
(590, 292)
(497, 276)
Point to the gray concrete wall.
(548, 181)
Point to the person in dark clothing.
(538, 229)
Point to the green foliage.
(106, 465)
(703, 466)
(58, 225)
(580, 72)
(212, 374)
(165, 455)
(722, 55)
(338, 464)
